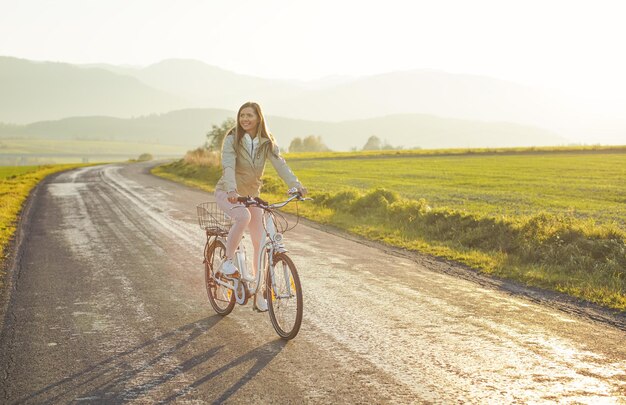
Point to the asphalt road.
(107, 305)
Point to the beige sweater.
(242, 172)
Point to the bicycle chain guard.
(241, 293)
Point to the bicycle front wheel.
(284, 296)
(222, 299)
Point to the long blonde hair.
(262, 130)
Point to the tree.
(144, 157)
(314, 143)
(311, 143)
(295, 145)
(215, 137)
(373, 143)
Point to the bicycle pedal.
(234, 276)
(257, 309)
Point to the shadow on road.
(154, 368)
(261, 356)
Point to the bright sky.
(575, 46)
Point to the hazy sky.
(575, 46)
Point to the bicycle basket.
(212, 219)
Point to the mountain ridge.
(188, 127)
(37, 91)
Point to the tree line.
(310, 143)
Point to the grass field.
(15, 185)
(584, 185)
(16, 151)
(11, 171)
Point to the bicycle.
(284, 299)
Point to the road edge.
(553, 299)
(13, 250)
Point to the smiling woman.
(245, 150)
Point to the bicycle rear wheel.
(221, 298)
(284, 296)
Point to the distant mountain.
(428, 92)
(189, 128)
(409, 92)
(34, 91)
(181, 127)
(209, 86)
(37, 91)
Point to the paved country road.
(107, 305)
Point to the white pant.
(251, 218)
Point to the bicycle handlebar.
(258, 202)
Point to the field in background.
(585, 185)
(20, 151)
(10, 171)
(552, 219)
(15, 185)
(457, 152)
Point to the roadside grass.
(15, 185)
(558, 252)
(12, 171)
(549, 220)
(202, 177)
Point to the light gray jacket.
(242, 172)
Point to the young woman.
(244, 153)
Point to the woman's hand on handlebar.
(232, 197)
(298, 190)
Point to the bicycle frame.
(284, 302)
(271, 244)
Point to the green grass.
(585, 185)
(376, 154)
(39, 151)
(12, 171)
(554, 219)
(201, 177)
(15, 185)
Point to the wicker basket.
(212, 219)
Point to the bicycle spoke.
(285, 297)
(221, 298)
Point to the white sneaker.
(260, 303)
(229, 269)
(248, 277)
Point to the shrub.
(145, 157)
(202, 157)
(310, 143)
(374, 203)
(272, 185)
(407, 211)
(340, 201)
(560, 239)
